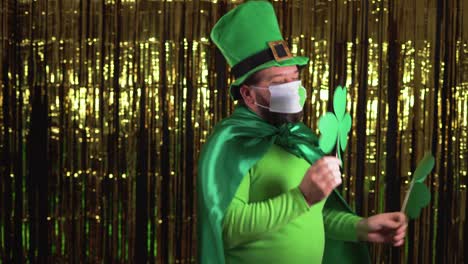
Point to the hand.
(383, 228)
(320, 179)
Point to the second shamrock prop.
(418, 195)
(334, 128)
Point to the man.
(265, 189)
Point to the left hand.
(383, 228)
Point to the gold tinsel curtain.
(105, 104)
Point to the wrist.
(305, 197)
(361, 230)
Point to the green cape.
(236, 144)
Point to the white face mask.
(287, 98)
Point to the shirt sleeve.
(245, 221)
(340, 225)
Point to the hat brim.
(234, 88)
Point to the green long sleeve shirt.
(269, 220)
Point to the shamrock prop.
(418, 196)
(334, 128)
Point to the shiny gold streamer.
(106, 103)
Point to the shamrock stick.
(338, 152)
(405, 201)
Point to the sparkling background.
(105, 104)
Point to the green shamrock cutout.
(424, 167)
(418, 195)
(418, 199)
(334, 128)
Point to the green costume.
(260, 218)
(269, 221)
(237, 144)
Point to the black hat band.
(278, 51)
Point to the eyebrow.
(279, 74)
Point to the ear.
(248, 95)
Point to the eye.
(277, 81)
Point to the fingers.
(394, 220)
(400, 235)
(389, 224)
(337, 178)
(398, 217)
(377, 238)
(330, 160)
(329, 180)
(395, 240)
(402, 229)
(326, 169)
(327, 174)
(387, 228)
(399, 243)
(329, 167)
(321, 178)
(332, 178)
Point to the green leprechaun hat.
(249, 37)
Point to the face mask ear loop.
(262, 106)
(257, 104)
(257, 87)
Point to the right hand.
(321, 179)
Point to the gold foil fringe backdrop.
(106, 103)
